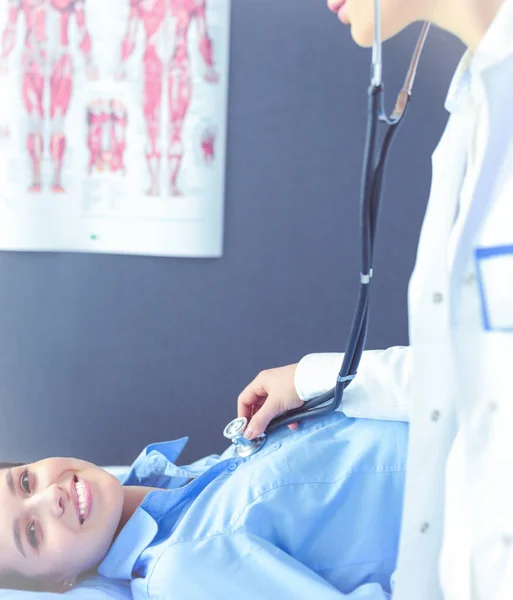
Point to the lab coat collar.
(460, 85)
(496, 45)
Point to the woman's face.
(396, 15)
(58, 518)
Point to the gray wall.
(100, 355)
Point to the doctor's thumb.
(261, 420)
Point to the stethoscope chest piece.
(234, 431)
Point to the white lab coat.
(454, 382)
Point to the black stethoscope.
(370, 195)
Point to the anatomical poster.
(113, 125)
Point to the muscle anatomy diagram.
(47, 75)
(106, 135)
(167, 74)
(113, 121)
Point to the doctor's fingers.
(270, 408)
(257, 406)
(252, 395)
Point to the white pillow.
(118, 472)
(95, 587)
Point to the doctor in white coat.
(454, 383)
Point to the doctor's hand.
(270, 394)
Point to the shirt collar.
(136, 535)
(496, 45)
(154, 467)
(153, 464)
(143, 525)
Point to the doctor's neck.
(466, 19)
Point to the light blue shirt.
(314, 514)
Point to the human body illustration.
(208, 141)
(166, 60)
(46, 57)
(106, 135)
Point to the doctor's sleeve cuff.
(380, 390)
(316, 374)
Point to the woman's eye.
(24, 482)
(32, 535)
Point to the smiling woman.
(10, 579)
(163, 524)
(59, 517)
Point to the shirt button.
(438, 298)
(424, 527)
(507, 539)
(232, 467)
(493, 406)
(435, 415)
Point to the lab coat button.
(469, 278)
(493, 406)
(424, 527)
(507, 539)
(435, 415)
(437, 298)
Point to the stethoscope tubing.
(373, 171)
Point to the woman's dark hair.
(11, 580)
(11, 465)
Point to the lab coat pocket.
(494, 266)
